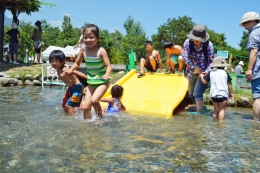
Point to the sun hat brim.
(193, 37)
(219, 65)
(246, 20)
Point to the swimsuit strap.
(117, 103)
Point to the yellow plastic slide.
(154, 94)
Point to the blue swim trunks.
(74, 95)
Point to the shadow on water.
(36, 136)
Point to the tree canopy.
(118, 45)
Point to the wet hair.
(92, 28)
(117, 91)
(168, 44)
(148, 42)
(39, 25)
(58, 54)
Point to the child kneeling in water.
(220, 86)
(74, 92)
(115, 105)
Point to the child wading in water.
(98, 70)
(220, 86)
(74, 92)
(115, 105)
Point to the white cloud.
(55, 23)
(65, 13)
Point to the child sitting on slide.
(115, 105)
(74, 92)
(174, 56)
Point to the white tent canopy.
(69, 51)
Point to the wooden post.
(230, 62)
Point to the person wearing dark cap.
(198, 54)
(37, 38)
(14, 43)
(250, 21)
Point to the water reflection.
(36, 136)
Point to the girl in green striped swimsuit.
(98, 70)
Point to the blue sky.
(222, 16)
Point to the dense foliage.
(118, 44)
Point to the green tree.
(116, 39)
(27, 6)
(135, 36)
(68, 35)
(50, 34)
(25, 29)
(218, 40)
(174, 30)
(244, 40)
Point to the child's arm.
(80, 40)
(167, 62)
(230, 94)
(104, 55)
(108, 100)
(80, 75)
(122, 107)
(160, 60)
(205, 79)
(76, 64)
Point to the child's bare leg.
(256, 109)
(172, 66)
(70, 110)
(87, 104)
(180, 66)
(99, 92)
(215, 111)
(152, 62)
(222, 109)
(65, 109)
(142, 63)
(103, 110)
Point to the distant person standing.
(239, 69)
(250, 21)
(37, 38)
(14, 43)
(80, 43)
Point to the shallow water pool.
(36, 136)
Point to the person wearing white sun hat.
(250, 21)
(239, 69)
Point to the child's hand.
(197, 70)
(106, 77)
(230, 95)
(66, 72)
(81, 106)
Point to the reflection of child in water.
(115, 105)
